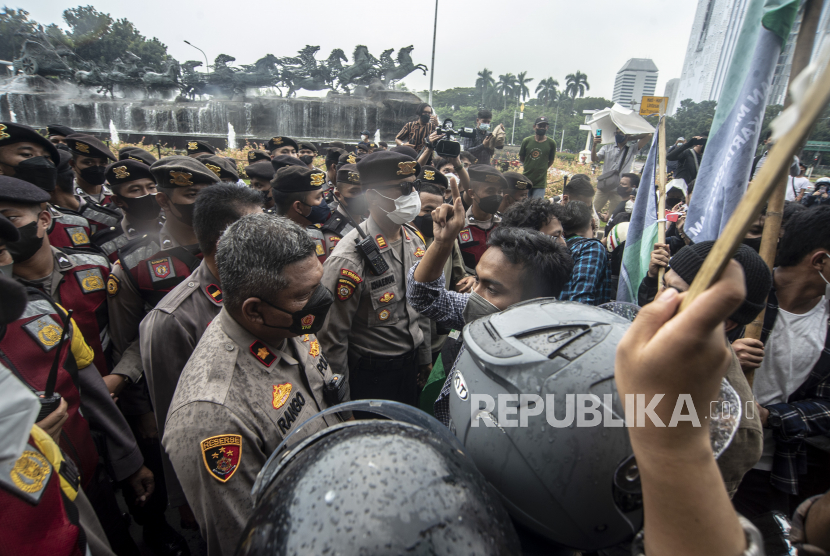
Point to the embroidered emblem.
(30, 472)
(112, 285)
(406, 168)
(121, 172)
(161, 269)
(277, 140)
(387, 297)
(77, 235)
(306, 337)
(137, 159)
(351, 159)
(333, 240)
(405, 234)
(45, 332)
(3, 134)
(465, 235)
(317, 179)
(320, 249)
(522, 185)
(345, 289)
(192, 146)
(181, 178)
(429, 175)
(214, 292)
(490, 178)
(262, 353)
(90, 280)
(351, 275)
(222, 455)
(381, 241)
(354, 177)
(314, 349)
(384, 315)
(213, 168)
(82, 147)
(307, 321)
(281, 393)
(419, 252)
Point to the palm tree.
(577, 84)
(546, 90)
(505, 87)
(485, 83)
(521, 86)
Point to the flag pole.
(661, 188)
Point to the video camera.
(447, 147)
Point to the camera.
(447, 147)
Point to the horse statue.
(265, 74)
(404, 67)
(92, 78)
(193, 82)
(167, 79)
(332, 65)
(358, 72)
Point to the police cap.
(194, 147)
(384, 166)
(260, 170)
(348, 158)
(278, 142)
(127, 171)
(13, 190)
(295, 179)
(430, 174)
(87, 145)
(348, 174)
(308, 145)
(257, 155)
(482, 173)
(517, 181)
(58, 130)
(283, 160)
(181, 171)
(16, 133)
(224, 168)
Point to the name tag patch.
(382, 282)
(292, 412)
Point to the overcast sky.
(547, 38)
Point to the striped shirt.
(415, 133)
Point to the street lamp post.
(207, 65)
(432, 67)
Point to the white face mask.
(452, 176)
(407, 208)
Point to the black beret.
(364, 146)
(16, 133)
(275, 143)
(14, 190)
(136, 153)
(65, 157)
(430, 174)
(408, 151)
(333, 155)
(295, 179)
(337, 145)
(283, 160)
(181, 171)
(348, 158)
(308, 145)
(383, 166)
(224, 168)
(260, 170)
(515, 180)
(60, 130)
(348, 174)
(87, 145)
(126, 171)
(483, 173)
(194, 147)
(257, 155)
(8, 232)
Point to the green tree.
(485, 84)
(506, 87)
(577, 84)
(522, 90)
(546, 91)
(12, 23)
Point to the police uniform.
(197, 147)
(69, 229)
(87, 145)
(472, 239)
(371, 332)
(300, 179)
(236, 400)
(169, 334)
(338, 224)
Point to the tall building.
(781, 77)
(671, 92)
(637, 78)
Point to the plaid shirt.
(432, 300)
(806, 413)
(416, 133)
(590, 281)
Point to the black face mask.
(319, 213)
(356, 206)
(309, 319)
(66, 181)
(425, 118)
(63, 147)
(186, 212)
(94, 175)
(619, 137)
(626, 193)
(754, 242)
(307, 158)
(541, 131)
(424, 224)
(25, 248)
(490, 204)
(39, 171)
(141, 208)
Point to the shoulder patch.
(381, 241)
(112, 285)
(345, 289)
(387, 297)
(222, 455)
(406, 234)
(465, 236)
(30, 474)
(281, 393)
(419, 252)
(320, 250)
(90, 280)
(351, 275)
(78, 237)
(333, 240)
(161, 269)
(214, 292)
(262, 353)
(45, 331)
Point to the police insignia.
(121, 172)
(522, 185)
(314, 349)
(90, 280)
(181, 178)
(214, 292)
(81, 147)
(317, 179)
(161, 269)
(262, 353)
(387, 297)
(351, 159)
(277, 140)
(192, 146)
(429, 175)
(307, 321)
(465, 235)
(45, 331)
(222, 455)
(354, 177)
(281, 393)
(251, 155)
(419, 252)
(406, 168)
(381, 241)
(351, 275)
(30, 472)
(345, 289)
(3, 134)
(333, 240)
(77, 235)
(320, 250)
(213, 168)
(490, 178)
(112, 285)
(384, 315)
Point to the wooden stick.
(661, 189)
(778, 160)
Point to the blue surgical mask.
(484, 127)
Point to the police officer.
(282, 145)
(487, 187)
(224, 168)
(372, 333)
(307, 152)
(348, 197)
(170, 332)
(57, 134)
(195, 148)
(258, 155)
(90, 157)
(134, 193)
(261, 174)
(257, 373)
(136, 153)
(296, 191)
(518, 189)
(332, 158)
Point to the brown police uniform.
(168, 335)
(338, 224)
(300, 179)
(69, 229)
(236, 400)
(86, 145)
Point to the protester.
(536, 154)
(799, 185)
(590, 282)
(415, 133)
(618, 156)
(536, 214)
(487, 186)
(688, 157)
(671, 165)
(820, 196)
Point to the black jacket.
(687, 159)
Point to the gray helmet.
(576, 486)
(376, 487)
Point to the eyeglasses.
(405, 187)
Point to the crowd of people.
(192, 323)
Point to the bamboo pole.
(661, 188)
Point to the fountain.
(113, 134)
(231, 136)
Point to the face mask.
(24, 249)
(407, 207)
(39, 171)
(623, 192)
(477, 307)
(309, 319)
(490, 204)
(307, 158)
(619, 137)
(94, 175)
(319, 213)
(141, 208)
(66, 182)
(451, 176)
(6, 270)
(425, 118)
(541, 131)
(356, 206)
(364, 138)
(63, 147)
(186, 211)
(754, 242)
(484, 127)
(822, 275)
(266, 196)
(629, 206)
(424, 224)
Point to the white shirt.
(794, 187)
(792, 350)
(610, 155)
